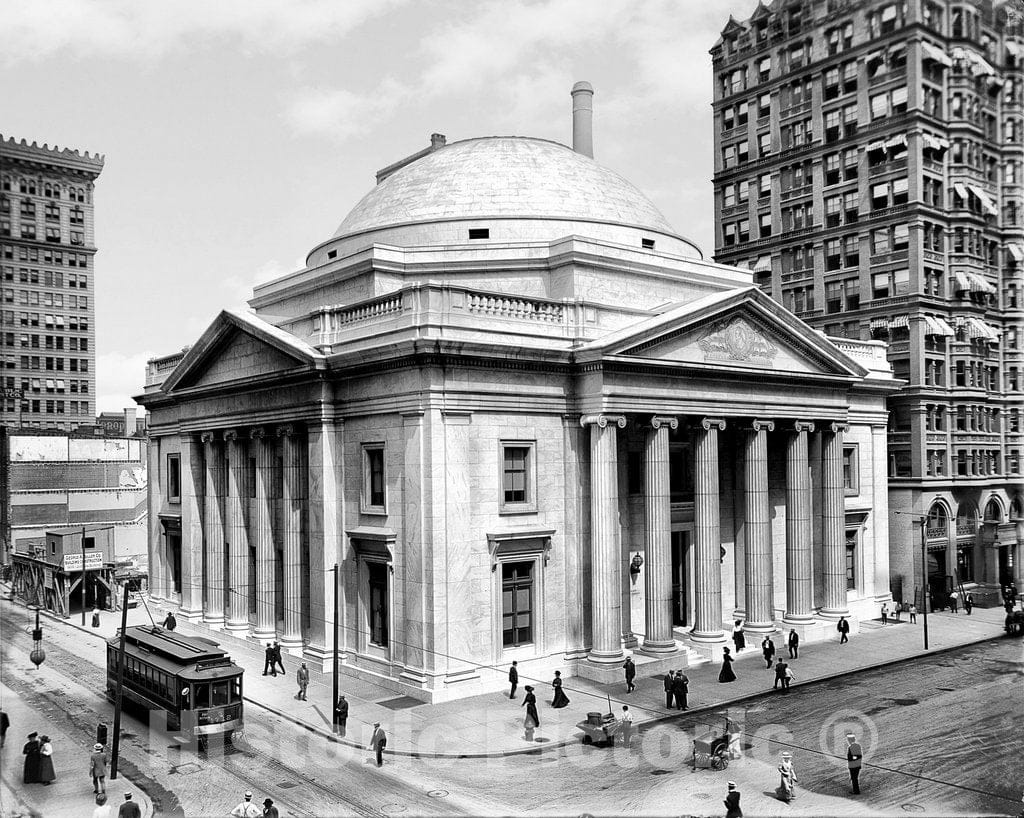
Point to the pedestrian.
(953, 598)
(885, 614)
(853, 757)
(341, 715)
(897, 610)
(738, 641)
(794, 644)
(786, 791)
(170, 622)
(513, 679)
(532, 720)
(788, 679)
(669, 689)
(102, 807)
(245, 809)
(378, 741)
(277, 657)
(98, 768)
(630, 670)
(913, 614)
(844, 630)
(726, 674)
(95, 616)
(5, 723)
(733, 732)
(268, 661)
(302, 677)
(129, 809)
(780, 674)
(46, 772)
(627, 725)
(732, 802)
(560, 699)
(31, 753)
(269, 810)
(680, 689)
(968, 604)
(768, 651)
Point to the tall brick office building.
(868, 161)
(47, 248)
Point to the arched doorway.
(937, 535)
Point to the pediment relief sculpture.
(736, 339)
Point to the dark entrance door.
(937, 578)
(379, 626)
(1005, 566)
(680, 606)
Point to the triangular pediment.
(739, 330)
(241, 348)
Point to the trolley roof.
(185, 650)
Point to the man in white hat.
(732, 802)
(98, 768)
(246, 808)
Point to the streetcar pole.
(334, 686)
(120, 681)
(83, 576)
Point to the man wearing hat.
(732, 802)
(246, 808)
(269, 810)
(98, 768)
(854, 754)
(129, 809)
(31, 753)
(378, 741)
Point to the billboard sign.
(73, 562)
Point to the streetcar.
(191, 679)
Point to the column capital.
(657, 421)
(758, 425)
(232, 436)
(257, 433)
(838, 428)
(287, 430)
(718, 423)
(602, 420)
(803, 426)
(208, 437)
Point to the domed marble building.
(526, 420)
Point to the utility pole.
(334, 687)
(924, 577)
(83, 576)
(120, 682)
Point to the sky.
(239, 133)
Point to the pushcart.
(711, 751)
(599, 729)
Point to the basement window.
(479, 233)
(647, 244)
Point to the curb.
(555, 745)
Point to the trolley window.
(200, 695)
(236, 689)
(221, 695)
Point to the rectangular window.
(174, 478)
(851, 470)
(517, 603)
(378, 598)
(517, 476)
(851, 560)
(374, 498)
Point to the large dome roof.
(504, 177)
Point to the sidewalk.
(70, 795)
(491, 725)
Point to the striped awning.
(879, 323)
(763, 264)
(896, 141)
(937, 326)
(976, 328)
(1016, 251)
(967, 281)
(876, 146)
(987, 204)
(979, 65)
(896, 321)
(936, 54)
(961, 190)
(935, 143)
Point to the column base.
(601, 671)
(791, 620)
(759, 628)
(264, 634)
(834, 613)
(321, 657)
(658, 647)
(292, 644)
(214, 621)
(236, 627)
(709, 645)
(191, 615)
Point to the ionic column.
(657, 507)
(263, 532)
(291, 523)
(707, 532)
(833, 558)
(605, 546)
(237, 584)
(213, 529)
(758, 546)
(156, 544)
(192, 502)
(799, 579)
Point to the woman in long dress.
(532, 719)
(726, 674)
(560, 700)
(737, 636)
(786, 791)
(31, 753)
(46, 773)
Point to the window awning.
(935, 143)
(896, 141)
(987, 204)
(967, 281)
(1017, 49)
(897, 321)
(879, 323)
(1016, 251)
(763, 264)
(976, 328)
(876, 146)
(937, 326)
(961, 190)
(979, 66)
(935, 54)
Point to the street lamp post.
(923, 521)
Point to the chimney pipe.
(582, 118)
(129, 422)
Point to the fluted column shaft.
(658, 564)
(605, 546)
(237, 586)
(291, 507)
(263, 533)
(833, 523)
(707, 534)
(799, 579)
(213, 529)
(157, 543)
(758, 546)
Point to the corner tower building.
(47, 252)
(527, 421)
(868, 171)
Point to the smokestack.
(129, 422)
(582, 118)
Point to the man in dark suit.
(630, 670)
(513, 679)
(268, 661)
(732, 802)
(768, 651)
(669, 689)
(341, 715)
(794, 644)
(680, 689)
(844, 630)
(278, 662)
(854, 753)
(780, 675)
